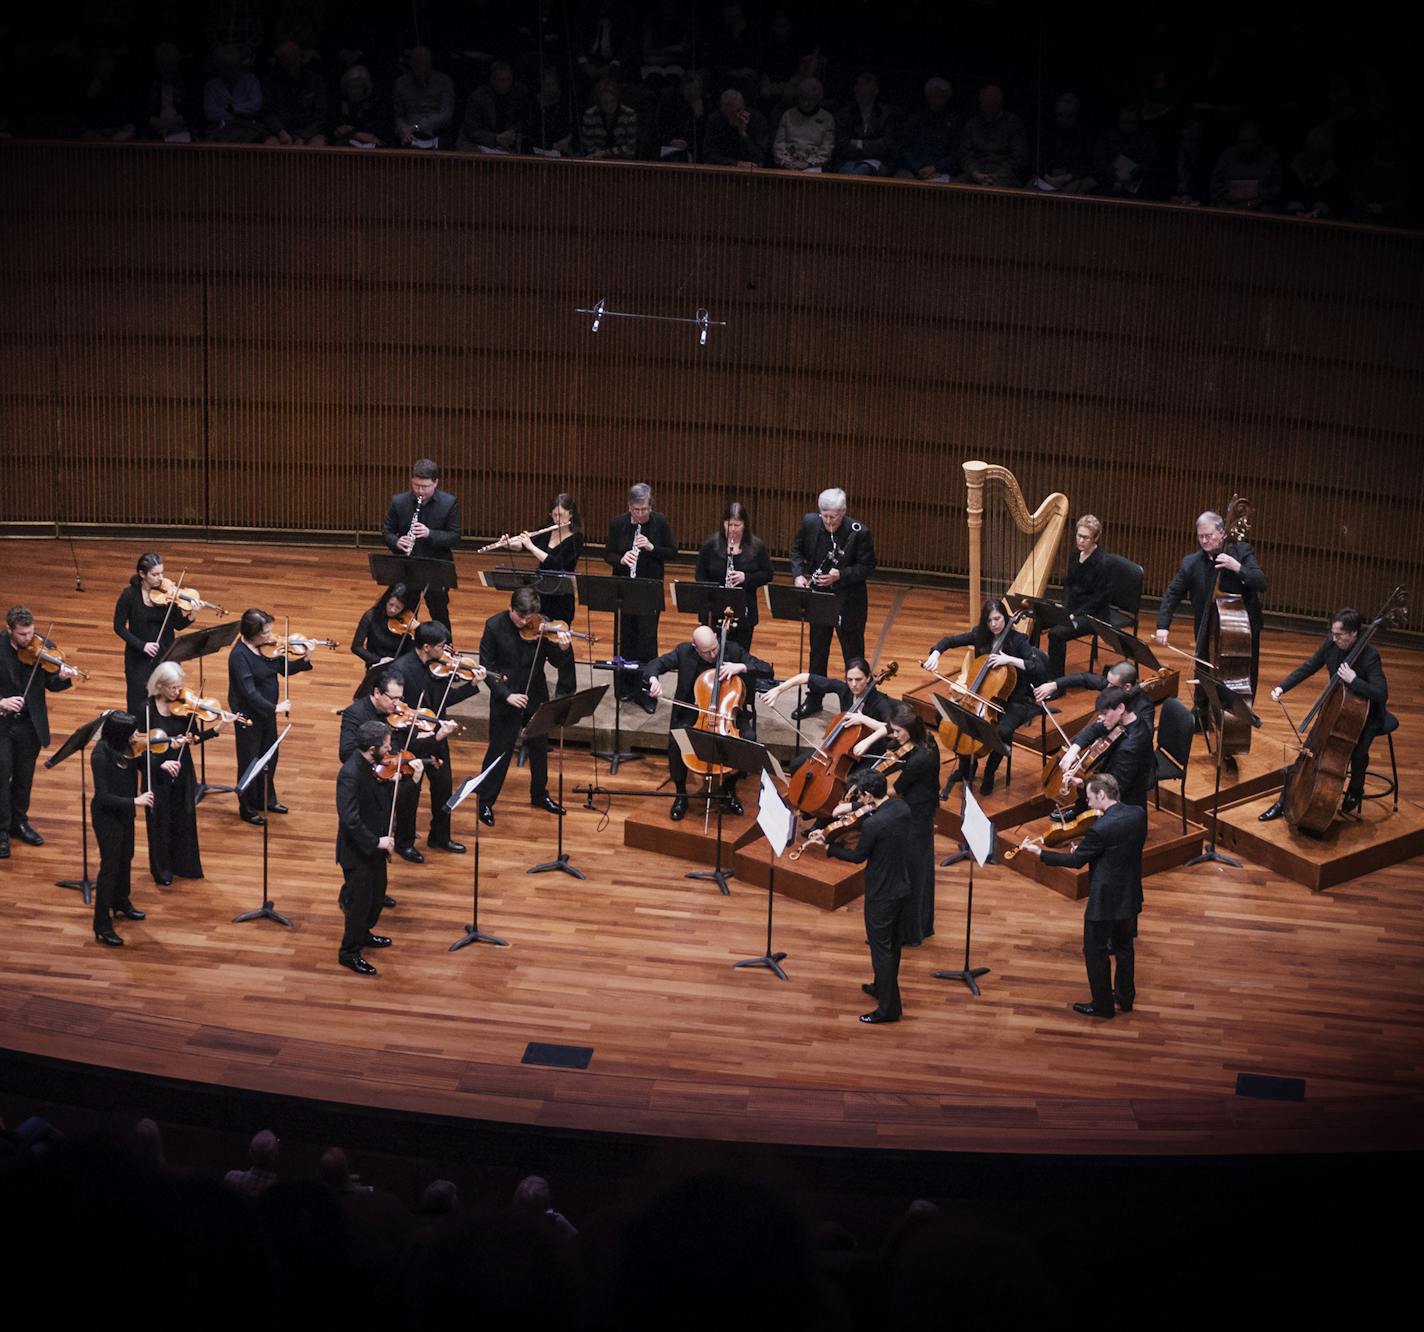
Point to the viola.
(40, 651)
(1058, 785)
(403, 625)
(425, 720)
(156, 741)
(719, 700)
(295, 647)
(536, 626)
(186, 599)
(981, 688)
(836, 829)
(1061, 834)
(394, 766)
(462, 666)
(819, 784)
(207, 710)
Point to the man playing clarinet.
(423, 523)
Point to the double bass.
(819, 784)
(1335, 723)
(1226, 640)
(718, 701)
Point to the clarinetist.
(640, 543)
(736, 557)
(424, 524)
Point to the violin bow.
(1189, 656)
(33, 669)
(148, 744)
(1048, 712)
(172, 602)
(287, 659)
(896, 602)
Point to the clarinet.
(415, 518)
(727, 580)
(633, 568)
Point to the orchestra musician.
(111, 810)
(513, 701)
(1112, 845)
(1122, 675)
(1129, 758)
(146, 627)
(858, 684)
(1365, 677)
(173, 816)
(440, 692)
(254, 688)
(833, 553)
(690, 660)
(423, 523)
(735, 556)
(1219, 566)
(24, 724)
(1015, 650)
(374, 641)
(1086, 591)
(558, 552)
(640, 543)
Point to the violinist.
(1122, 675)
(1218, 565)
(376, 640)
(111, 810)
(558, 552)
(513, 647)
(639, 545)
(173, 816)
(254, 688)
(1364, 677)
(440, 692)
(690, 660)
(1128, 759)
(736, 557)
(423, 523)
(833, 553)
(147, 627)
(1086, 591)
(1013, 650)
(363, 813)
(24, 723)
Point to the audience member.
(806, 135)
(172, 103)
(733, 51)
(1379, 188)
(784, 54)
(108, 108)
(498, 114)
(439, 1198)
(232, 99)
(532, 1199)
(1247, 174)
(867, 132)
(551, 123)
(1065, 159)
(736, 135)
(609, 128)
(603, 46)
(148, 1146)
(931, 137)
(667, 46)
(1125, 155)
(361, 120)
(994, 150)
(294, 101)
(1313, 184)
(424, 102)
(261, 1172)
(681, 121)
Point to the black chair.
(1125, 610)
(1391, 784)
(1175, 729)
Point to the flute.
(506, 541)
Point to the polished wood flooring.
(1239, 971)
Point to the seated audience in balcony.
(1247, 174)
(1313, 185)
(1065, 160)
(680, 123)
(930, 147)
(107, 111)
(551, 122)
(532, 1199)
(232, 99)
(867, 132)
(1378, 187)
(609, 127)
(361, 120)
(994, 149)
(806, 135)
(424, 102)
(667, 46)
(737, 135)
(498, 113)
(733, 51)
(606, 42)
(171, 106)
(294, 101)
(1125, 156)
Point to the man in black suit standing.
(885, 839)
(833, 553)
(640, 543)
(1113, 847)
(424, 524)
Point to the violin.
(423, 719)
(1058, 783)
(536, 625)
(1226, 635)
(819, 784)
(156, 741)
(403, 625)
(838, 828)
(720, 701)
(462, 666)
(207, 710)
(1061, 834)
(980, 687)
(295, 647)
(40, 651)
(394, 766)
(892, 756)
(186, 599)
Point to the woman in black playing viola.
(147, 628)
(173, 816)
(375, 641)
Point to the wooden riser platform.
(815, 879)
(1006, 806)
(1379, 837)
(648, 828)
(1244, 777)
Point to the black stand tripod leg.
(84, 884)
(561, 857)
(718, 875)
(266, 911)
(968, 975)
(1211, 853)
(473, 934)
(771, 961)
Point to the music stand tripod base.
(772, 962)
(562, 712)
(970, 977)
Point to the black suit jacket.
(1193, 580)
(650, 562)
(14, 676)
(1113, 847)
(854, 556)
(1137, 699)
(363, 813)
(884, 842)
(688, 663)
(440, 513)
(1129, 760)
(1369, 678)
(504, 652)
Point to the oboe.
(727, 580)
(633, 568)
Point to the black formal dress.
(918, 787)
(884, 848)
(754, 562)
(173, 819)
(1198, 580)
(1113, 847)
(504, 652)
(373, 641)
(438, 779)
(1369, 682)
(355, 715)
(362, 813)
(559, 605)
(111, 810)
(138, 623)
(254, 688)
(1129, 760)
(638, 634)
(1020, 705)
(441, 514)
(22, 734)
(1086, 591)
(849, 549)
(689, 664)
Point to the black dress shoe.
(1087, 1010)
(355, 962)
(878, 1016)
(129, 912)
(257, 819)
(679, 807)
(870, 989)
(1271, 812)
(4, 848)
(453, 847)
(28, 835)
(486, 815)
(388, 900)
(108, 937)
(648, 703)
(1124, 1004)
(377, 941)
(1350, 804)
(276, 807)
(807, 709)
(986, 787)
(411, 854)
(164, 880)
(548, 804)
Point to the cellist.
(1364, 677)
(689, 660)
(858, 687)
(1004, 645)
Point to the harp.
(1044, 525)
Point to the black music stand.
(736, 755)
(1046, 614)
(1128, 646)
(984, 731)
(767, 791)
(562, 712)
(77, 743)
(199, 644)
(418, 575)
(968, 974)
(473, 934)
(259, 767)
(546, 582)
(635, 596)
(1220, 699)
(707, 601)
(810, 607)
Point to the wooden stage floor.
(1240, 971)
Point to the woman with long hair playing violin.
(387, 628)
(147, 626)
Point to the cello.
(819, 784)
(1226, 639)
(1335, 723)
(719, 702)
(983, 687)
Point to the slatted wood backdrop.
(243, 338)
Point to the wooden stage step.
(694, 838)
(1244, 777)
(815, 878)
